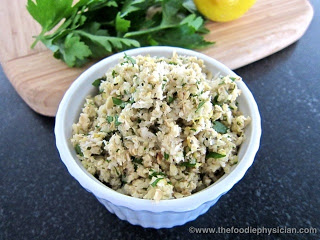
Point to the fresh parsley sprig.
(92, 29)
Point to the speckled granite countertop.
(40, 200)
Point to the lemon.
(223, 10)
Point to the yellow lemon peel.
(223, 10)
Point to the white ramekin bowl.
(147, 213)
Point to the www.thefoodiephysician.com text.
(253, 230)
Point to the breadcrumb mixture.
(160, 128)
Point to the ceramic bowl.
(148, 213)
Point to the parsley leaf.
(214, 155)
(129, 58)
(137, 160)
(200, 105)
(188, 164)
(193, 21)
(119, 102)
(220, 127)
(170, 99)
(117, 171)
(109, 43)
(109, 119)
(132, 6)
(97, 82)
(155, 182)
(122, 25)
(214, 101)
(48, 13)
(182, 36)
(74, 49)
(116, 121)
(77, 148)
(155, 174)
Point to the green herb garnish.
(214, 101)
(187, 164)
(156, 182)
(109, 119)
(130, 59)
(131, 100)
(220, 127)
(116, 121)
(166, 156)
(114, 73)
(137, 160)
(155, 174)
(117, 171)
(123, 182)
(77, 148)
(97, 82)
(214, 155)
(191, 163)
(117, 101)
(200, 105)
(170, 99)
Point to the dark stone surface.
(40, 200)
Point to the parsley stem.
(38, 38)
(150, 30)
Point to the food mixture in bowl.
(160, 128)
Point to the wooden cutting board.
(41, 80)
